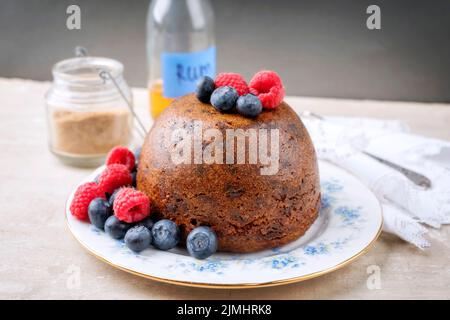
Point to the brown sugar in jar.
(90, 133)
(86, 115)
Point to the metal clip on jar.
(87, 115)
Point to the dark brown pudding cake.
(247, 210)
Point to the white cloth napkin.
(407, 208)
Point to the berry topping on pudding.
(224, 98)
(249, 105)
(267, 85)
(229, 92)
(232, 80)
(205, 88)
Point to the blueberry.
(224, 98)
(99, 210)
(113, 197)
(205, 88)
(116, 228)
(249, 105)
(201, 242)
(138, 238)
(166, 234)
(147, 222)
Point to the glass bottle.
(180, 49)
(86, 115)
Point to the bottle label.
(181, 70)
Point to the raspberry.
(232, 80)
(121, 155)
(114, 176)
(268, 87)
(131, 205)
(273, 98)
(81, 199)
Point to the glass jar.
(86, 114)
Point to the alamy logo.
(374, 279)
(374, 20)
(209, 146)
(74, 279)
(73, 21)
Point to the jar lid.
(80, 81)
(85, 71)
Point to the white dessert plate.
(348, 224)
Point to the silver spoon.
(416, 178)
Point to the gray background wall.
(321, 48)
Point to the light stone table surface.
(38, 256)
